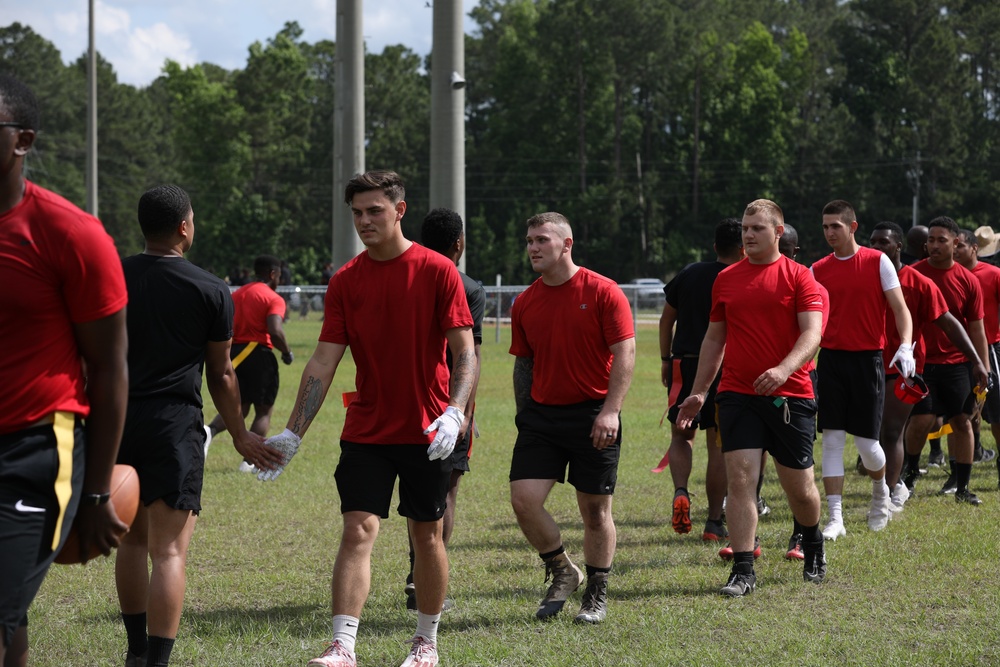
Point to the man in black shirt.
(179, 319)
(689, 301)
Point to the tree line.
(644, 121)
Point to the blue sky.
(137, 36)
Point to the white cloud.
(146, 49)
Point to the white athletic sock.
(879, 488)
(345, 630)
(834, 503)
(427, 626)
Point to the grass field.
(922, 592)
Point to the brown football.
(124, 500)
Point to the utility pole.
(91, 169)
(348, 125)
(448, 109)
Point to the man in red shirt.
(574, 346)
(967, 254)
(397, 305)
(767, 315)
(926, 305)
(862, 282)
(63, 301)
(257, 329)
(947, 371)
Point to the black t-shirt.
(475, 294)
(690, 293)
(174, 310)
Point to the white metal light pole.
(91, 169)
(448, 109)
(348, 125)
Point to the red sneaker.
(682, 514)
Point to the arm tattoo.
(312, 398)
(463, 375)
(523, 367)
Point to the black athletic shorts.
(366, 475)
(41, 477)
(165, 442)
(459, 458)
(950, 388)
(991, 408)
(550, 437)
(784, 427)
(852, 391)
(257, 373)
(683, 370)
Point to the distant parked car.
(649, 292)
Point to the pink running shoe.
(335, 655)
(423, 654)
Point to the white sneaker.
(879, 513)
(900, 495)
(335, 655)
(208, 439)
(423, 654)
(833, 530)
(246, 466)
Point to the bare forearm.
(470, 404)
(803, 350)
(312, 392)
(523, 367)
(978, 335)
(107, 392)
(709, 363)
(225, 391)
(463, 377)
(622, 366)
(958, 336)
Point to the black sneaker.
(595, 599)
(135, 660)
(950, 486)
(967, 497)
(762, 508)
(566, 578)
(936, 459)
(739, 584)
(814, 567)
(984, 455)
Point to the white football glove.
(447, 426)
(903, 360)
(285, 442)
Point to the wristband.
(94, 499)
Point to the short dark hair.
(969, 236)
(19, 102)
(161, 209)
(389, 182)
(549, 217)
(841, 208)
(947, 223)
(728, 236)
(265, 264)
(440, 229)
(892, 228)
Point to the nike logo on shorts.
(21, 507)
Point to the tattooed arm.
(464, 371)
(316, 379)
(523, 367)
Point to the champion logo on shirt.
(583, 306)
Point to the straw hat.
(988, 241)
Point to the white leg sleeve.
(833, 453)
(871, 453)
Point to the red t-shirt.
(568, 331)
(964, 297)
(58, 267)
(857, 301)
(989, 280)
(394, 316)
(926, 304)
(254, 303)
(760, 304)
